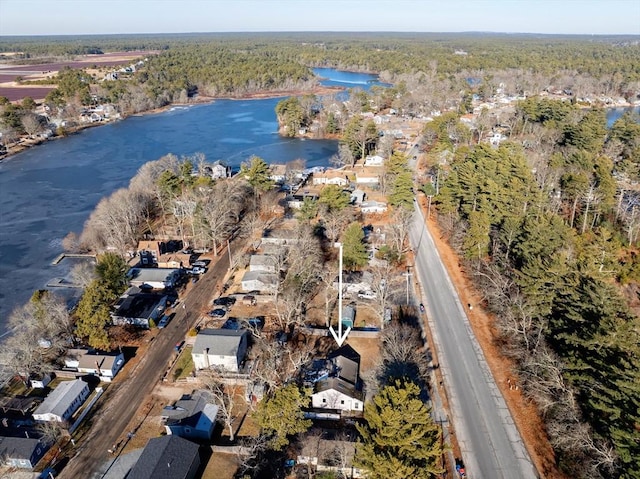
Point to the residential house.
(192, 417)
(278, 173)
(63, 401)
(367, 176)
(174, 260)
(295, 201)
(105, 366)
(358, 196)
(331, 177)
(138, 308)
(167, 457)
(355, 281)
(259, 281)
(375, 160)
(150, 251)
(342, 390)
(22, 452)
(154, 278)
(218, 170)
(223, 349)
(39, 381)
(263, 262)
(373, 207)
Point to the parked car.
(198, 270)
(178, 346)
(164, 321)
(366, 295)
(201, 264)
(249, 300)
(218, 313)
(225, 301)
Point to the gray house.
(167, 457)
(223, 349)
(191, 417)
(259, 281)
(22, 452)
(263, 262)
(63, 401)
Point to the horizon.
(29, 18)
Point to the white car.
(366, 295)
(198, 270)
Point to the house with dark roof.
(193, 416)
(167, 457)
(342, 390)
(63, 401)
(138, 308)
(22, 452)
(223, 349)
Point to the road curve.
(490, 443)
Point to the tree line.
(551, 235)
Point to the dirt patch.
(524, 412)
(221, 466)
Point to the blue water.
(364, 81)
(614, 113)
(50, 190)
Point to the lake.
(50, 190)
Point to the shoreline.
(201, 100)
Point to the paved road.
(118, 405)
(491, 445)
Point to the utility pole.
(407, 275)
(229, 251)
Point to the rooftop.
(58, 400)
(218, 342)
(166, 457)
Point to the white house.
(259, 281)
(372, 207)
(264, 263)
(155, 278)
(220, 349)
(331, 177)
(375, 160)
(367, 177)
(342, 390)
(105, 366)
(63, 401)
(335, 393)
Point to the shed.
(348, 316)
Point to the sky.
(73, 17)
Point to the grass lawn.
(184, 365)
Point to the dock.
(62, 256)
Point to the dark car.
(225, 301)
(218, 313)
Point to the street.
(118, 405)
(490, 443)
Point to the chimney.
(206, 358)
(98, 368)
